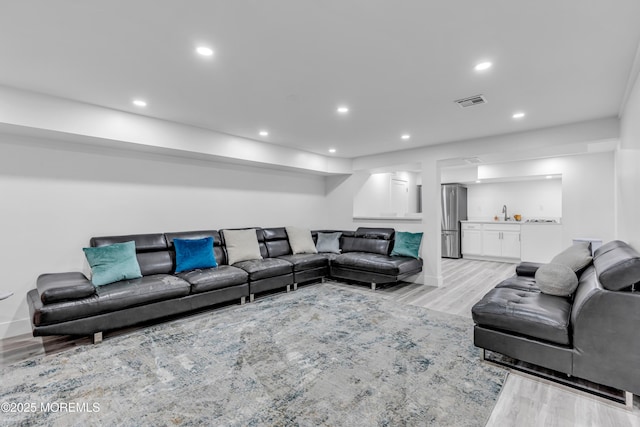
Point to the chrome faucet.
(504, 211)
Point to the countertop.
(491, 221)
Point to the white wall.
(588, 197)
(374, 197)
(55, 196)
(531, 199)
(628, 170)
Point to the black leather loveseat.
(69, 304)
(593, 334)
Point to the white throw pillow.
(556, 279)
(301, 241)
(242, 245)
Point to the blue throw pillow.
(113, 263)
(192, 254)
(407, 244)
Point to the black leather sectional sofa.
(593, 334)
(69, 304)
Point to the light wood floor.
(523, 402)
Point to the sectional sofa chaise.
(578, 315)
(70, 304)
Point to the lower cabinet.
(491, 241)
(472, 239)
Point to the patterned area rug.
(322, 355)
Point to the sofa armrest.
(55, 287)
(606, 337)
(527, 269)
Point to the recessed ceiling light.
(549, 176)
(204, 51)
(264, 133)
(405, 136)
(343, 110)
(478, 181)
(483, 66)
(139, 103)
(518, 115)
(332, 150)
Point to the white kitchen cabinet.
(492, 241)
(471, 239)
(511, 244)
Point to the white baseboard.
(15, 327)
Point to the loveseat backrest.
(367, 239)
(151, 250)
(218, 250)
(276, 241)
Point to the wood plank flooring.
(523, 402)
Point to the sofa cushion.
(363, 244)
(242, 245)
(276, 242)
(211, 279)
(116, 296)
(375, 233)
(377, 263)
(63, 286)
(265, 268)
(523, 283)
(303, 262)
(301, 241)
(577, 257)
(617, 265)
(407, 244)
(556, 279)
(329, 242)
(194, 254)
(532, 314)
(113, 263)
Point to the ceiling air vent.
(471, 101)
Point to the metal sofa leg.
(288, 288)
(295, 286)
(483, 355)
(322, 280)
(373, 286)
(252, 297)
(243, 300)
(97, 338)
(628, 400)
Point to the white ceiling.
(285, 65)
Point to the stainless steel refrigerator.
(454, 210)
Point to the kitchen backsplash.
(539, 199)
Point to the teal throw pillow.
(192, 254)
(407, 244)
(113, 263)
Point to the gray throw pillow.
(556, 279)
(329, 242)
(577, 257)
(301, 241)
(242, 245)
